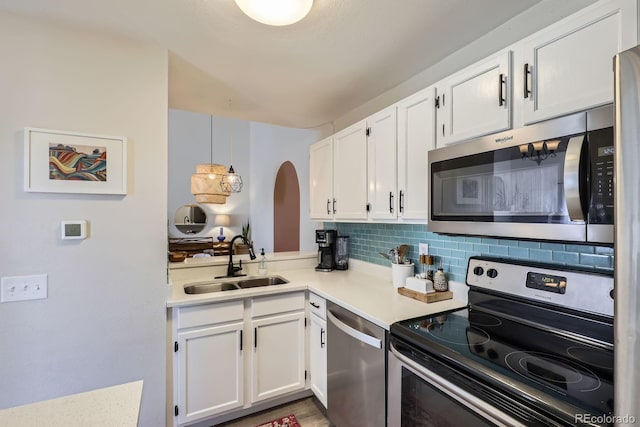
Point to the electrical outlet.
(423, 248)
(21, 288)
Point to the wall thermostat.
(74, 230)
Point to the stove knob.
(492, 272)
(478, 271)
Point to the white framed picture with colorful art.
(69, 162)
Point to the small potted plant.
(243, 248)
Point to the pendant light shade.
(275, 12)
(231, 181)
(206, 183)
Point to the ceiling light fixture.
(231, 182)
(275, 12)
(206, 183)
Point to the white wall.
(258, 151)
(270, 147)
(103, 322)
(190, 143)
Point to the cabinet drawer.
(317, 305)
(277, 304)
(210, 313)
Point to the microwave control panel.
(601, 149)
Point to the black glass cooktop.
(541, 365)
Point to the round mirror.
(190, 219)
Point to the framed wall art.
(67, 162)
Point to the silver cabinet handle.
(360, 336)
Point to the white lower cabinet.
(318, 358)
(211, 367)
(277, 356)
(230, 355)
(318, 347)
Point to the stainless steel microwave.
(549, 181)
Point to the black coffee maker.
(326, 240)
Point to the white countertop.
(368, 294)
(106, 407)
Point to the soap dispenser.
(262, 266)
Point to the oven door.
(423, 394)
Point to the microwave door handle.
(574, 165)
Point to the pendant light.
(206, 183)
(275, 12)
(231, 182)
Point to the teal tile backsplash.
(367, 240)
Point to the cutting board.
(428, 297)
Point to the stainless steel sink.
(232, 284)
(206, 287)
(255, 282)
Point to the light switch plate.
(21, 288)
(423, 248)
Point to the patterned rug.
(288, 421)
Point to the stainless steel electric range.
(534, 348)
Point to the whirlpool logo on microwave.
(504, 139)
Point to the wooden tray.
(428, 297)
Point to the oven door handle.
(360, 336)
(470, 401)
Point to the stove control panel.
(580, 290)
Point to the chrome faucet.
(231, 268)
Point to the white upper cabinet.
(567, 67)
(475, 101)
(321, 179)
(381, 164)
(350, 172)
(416, 136)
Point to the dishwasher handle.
(360, 336)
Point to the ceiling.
(343, 54)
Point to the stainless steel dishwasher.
(356, 368)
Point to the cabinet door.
(475, 101)
(210, 371)
(416, 136)
(321, 179)
(350, 172)
(318, 358)
(278, 355)
(381, 164)
(568, 66)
